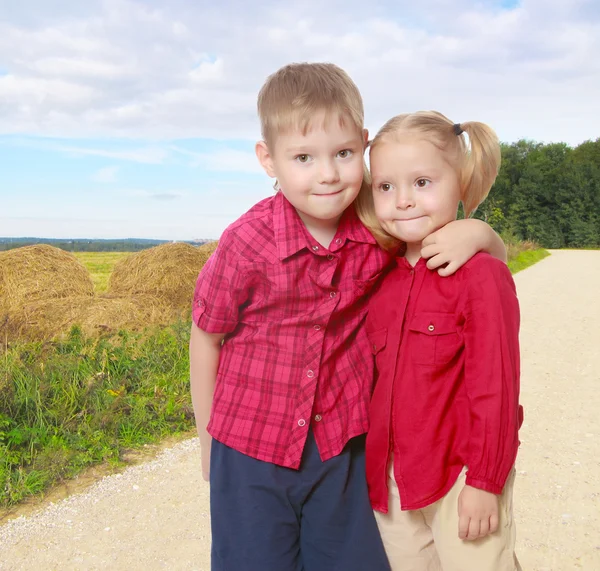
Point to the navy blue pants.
(269, 518)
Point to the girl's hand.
(477, 513)
(453, 245)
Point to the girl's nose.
(404, 199)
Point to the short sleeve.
(221, 289)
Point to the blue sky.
(123, 118)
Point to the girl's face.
(416, 190)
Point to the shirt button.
(338, 240)
(412, 272)
(199, 303)
(317, 327)
(332, 294)
(315, 248)
(431, 328)
(318, 418)
(374, 347)
(301, 422)
(330, 257)
(310, 374)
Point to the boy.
(278, 336)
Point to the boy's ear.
(264, 158)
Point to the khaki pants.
(427, 539)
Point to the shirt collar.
(291, 235)
(403, 263)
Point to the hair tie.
(458, 130)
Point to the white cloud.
(106, 174)
(144, 155)
(225, 160)
(173, 70)
(161, 196)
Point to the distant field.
(100, 265)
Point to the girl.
(445, 411)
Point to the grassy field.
(100, 266)
(71, 404)
(526, 258)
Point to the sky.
(122, 118)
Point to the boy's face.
(319, 172)
(415, 189)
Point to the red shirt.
(296, 351)
(447, 388)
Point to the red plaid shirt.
(296, 352)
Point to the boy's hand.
(206, 467)
(477, 513)
(205, 456)
(449, 248)
(457, 242)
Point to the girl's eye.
(385, 187)
(302, 158)
(345, 153)
(422, 182)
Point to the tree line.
(547, 193)
(89, 245)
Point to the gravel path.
(155, 515)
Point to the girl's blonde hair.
(477, 161)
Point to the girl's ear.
(265, 158)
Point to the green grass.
(526, 258)
(100, 265)
(68, 405)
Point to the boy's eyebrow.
(304, 148)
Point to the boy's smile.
(320, 172)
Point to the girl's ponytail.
(481, 164)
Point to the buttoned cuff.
(486, 485)
(208, 323)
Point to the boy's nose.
(328, 173)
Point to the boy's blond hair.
(292, 96)
(477, 163)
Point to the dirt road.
(155, 515)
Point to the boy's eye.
(422, 182)
(302, 158)
(345, 153)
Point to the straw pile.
(39, 272)
(101, 315)
(44, 291)
(167, 272)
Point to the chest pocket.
(435, 338)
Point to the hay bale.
(167, 272)
(33, 273)
(47, 319)
(207, 251)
